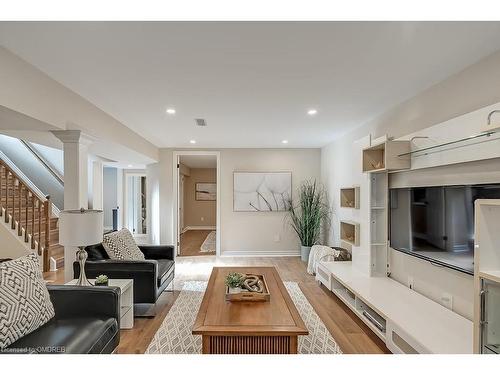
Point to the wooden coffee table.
(248, 327)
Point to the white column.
(75, 152)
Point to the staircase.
(30, 216)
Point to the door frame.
(176, 197)
(142, 238)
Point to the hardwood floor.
(191, 242)
(346, 328)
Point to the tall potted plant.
(307, 215)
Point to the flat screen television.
(437, 223)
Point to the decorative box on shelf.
(241, 294)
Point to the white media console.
(406, 321)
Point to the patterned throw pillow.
(24, 299)
(121, 246)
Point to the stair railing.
(28, 213)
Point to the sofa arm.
(71, 301)
(157, 251)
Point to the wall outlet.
(447, 300)
(277, 237)
(202, 218)
(410, 282)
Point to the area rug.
(174, 335)
(208, 245)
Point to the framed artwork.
(261, 191)
(206, 191)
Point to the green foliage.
(310, 212)
(234, 280)
(101, 279)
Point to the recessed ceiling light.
(130, 166)
(171, 111)
(192, 141)
(284, 141)
(312, 112)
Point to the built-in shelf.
(378, 224)
(349, 197)
(386, 156)
(349, 232)
(487, 274)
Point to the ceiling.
(199, 161)
(253, 82)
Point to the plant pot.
(101, 284)
(304, 253)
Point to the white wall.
(262, 232)
(242, 233)
(469, 90)
(12, 247)
(52, 156)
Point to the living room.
(186, 187)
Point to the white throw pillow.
(24, 299)
(121, 246)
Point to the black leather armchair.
(87, 321)
(151, 276)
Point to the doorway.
(196, 187)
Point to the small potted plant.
(101, 280)
(233, 282)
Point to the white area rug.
(174, 335)
(208, 245)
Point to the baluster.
(15, 184)
(6, 183)
(39, 227)
(32, 222)
(7, 196)
(47, 209)
(1, 188)
(12, 186)
(20, 223)
(26, 233)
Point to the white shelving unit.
(487, 276)
(398, 315)
(385, 156)
(406, 321)
(379, 193)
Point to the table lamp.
(80, 228)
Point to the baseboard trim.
(198, 227)
(267, 253)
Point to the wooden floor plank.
(191, 241)
(346, 328)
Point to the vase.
(304, 253)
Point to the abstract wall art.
(261, 191)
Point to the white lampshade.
(80, 227)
